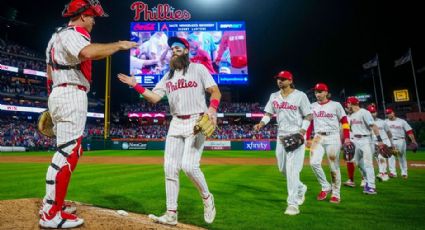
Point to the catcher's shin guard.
(58, 175)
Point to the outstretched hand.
(131, 81)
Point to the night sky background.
(319, 41)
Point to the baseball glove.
(292, 142)
(413, 147)
(395, 151)
(349, 150)
(383, 150)
(204, 125)
(45, 124)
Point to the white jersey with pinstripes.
(65, 47)
(327, 116)
(360, 122)
(398, 127)
(383, 129)
(290, 110)
(186, 93)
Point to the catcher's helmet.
(86, 7)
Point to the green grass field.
(247, 197)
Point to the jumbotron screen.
(219, 46)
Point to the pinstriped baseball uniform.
(68, 108)
(398, 128)
(290, 112)
(383, 129)
(327, 126)
(183, 150)
(360, 122)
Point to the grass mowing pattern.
(247, 197)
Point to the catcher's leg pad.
(59, 173)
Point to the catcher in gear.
(68, 57)
(45, 124)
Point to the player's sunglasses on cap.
(176, 41)
(86, 7)
(321, 87)
(371, 108)
(389, 110)
(353, 100)
(284, 75)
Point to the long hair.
(182, 62)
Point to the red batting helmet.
(371, 108)
(284, 75)
(321, 87)
(353, 100)
(86, 7)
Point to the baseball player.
(361, 124)
(69, 54)
(185, 85)
(385, 133)
(328, 118)
(293, 116)
(399, 128)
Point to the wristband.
(139, 88)
(214, 103)
(265, 119)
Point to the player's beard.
(180, 62)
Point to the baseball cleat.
(363, 183)
(380, 177)
(404, 176)
(385, 177)
(335, 200)
(323, 194)
(368, 190)
(292, 210)
(209, 209)
(60, 220)
(169, 218)
(350, 183)
(392, 175)
(301, 195)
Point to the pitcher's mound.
(23, 214)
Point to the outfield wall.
(140, 144)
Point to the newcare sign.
(256, 145)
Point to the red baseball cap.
(182, 41)
(389, 110)
(284, 75)
(353, 100)
(321, 87)
(371, 108)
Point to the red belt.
(185, 117)
(80, 87)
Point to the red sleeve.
(310, 130)
(410, 132)
(345, 127)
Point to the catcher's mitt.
(292, 142)
(395, 151)
(413, 147)
(45, 124)
(349, 150)
(204, 125)
(383, 150)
